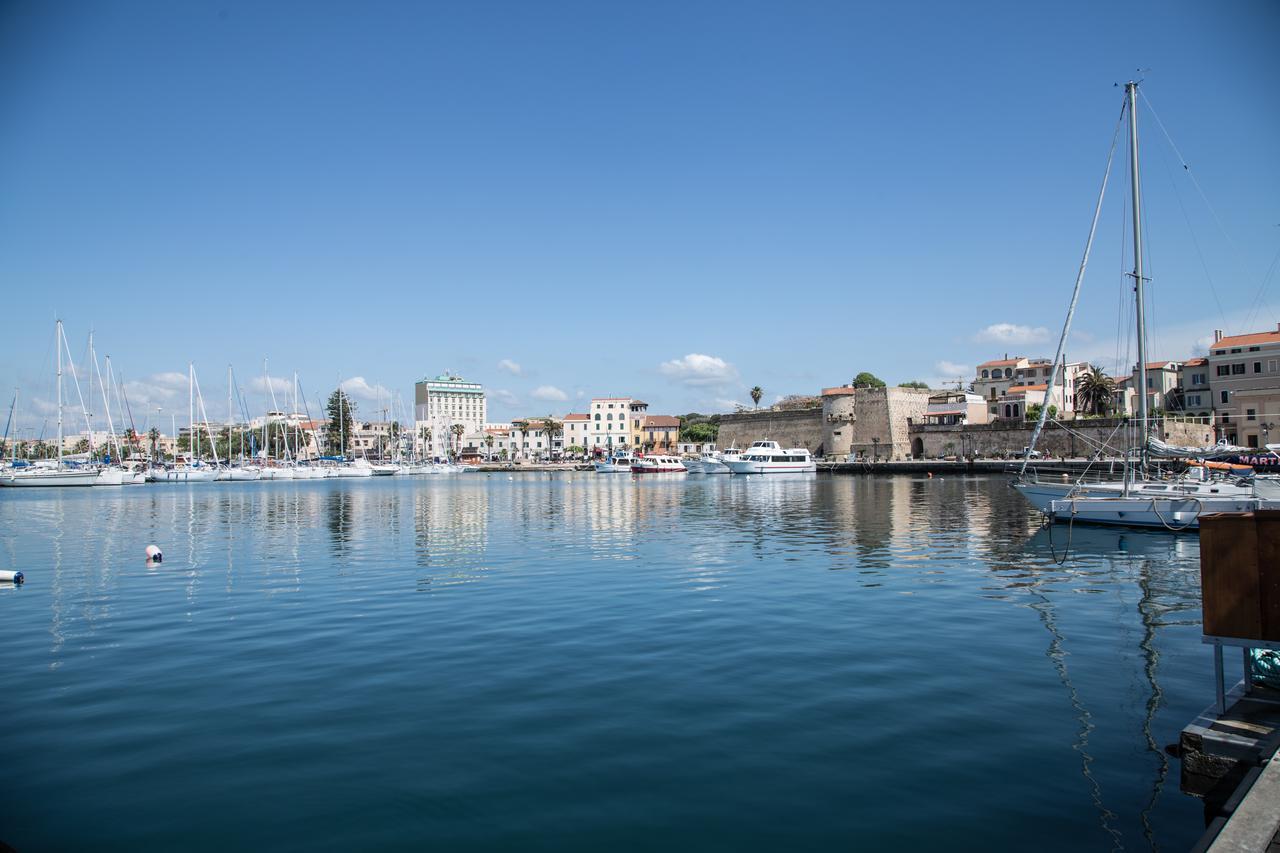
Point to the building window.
(1250, 414)
(1007, 373)
(1224, 396)
(1237, 369)
(1224, 370)
(597, 416)
(985, 374)
(1257, 367)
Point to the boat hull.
(47, 477)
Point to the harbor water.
(591, 662)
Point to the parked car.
(1034, 454)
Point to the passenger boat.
(768, 457)
(618, 463)
(658, 465)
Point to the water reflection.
(649, 552)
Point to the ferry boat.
(658, 465)
(768, 457)
(618, 463)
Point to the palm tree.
(154, 435)
(521, 426)
(756, 393)
(1095, 389)
(458, 431)
(425, 434)
(552, 428)
(488, 444)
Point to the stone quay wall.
(1069, 439)
(795, 428)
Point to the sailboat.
(192, 470)
(1139, 499)
(52, 475)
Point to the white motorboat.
(716, 461)
(768, 457)
(618, 463)
(356, 468)
(113, 476)
(658, 465)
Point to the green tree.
(1033, 412)
(340, 410)
(82, 446)
(699, 433)
(867, 380)
(154, 435)
(458, 431)
(424, 433)
(488, 444)
(553, 428)
(756, 393)
(1095, 389)
(914, 383)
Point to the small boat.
(768, 457)
(618, 463)
(244, 473)
(385, 470)
(658, 465)
(716, 461)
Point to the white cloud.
(549, 393)
(511, 367)
(953, 370)
(278, 384)
(359, 388)
(1011, 333)
(504, 396)
(696, 369)
(727, 404)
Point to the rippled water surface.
(590, 662)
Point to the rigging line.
(1057, 654)
(1075, 298)
(1195, 241)
(1196, 183)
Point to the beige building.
(577, 430)
(1245, 374)
(956, 407)
(1009, 385)
(659, 433)
(615, 422)
(871, 423)
(1194, 395)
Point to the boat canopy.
(1219, 451)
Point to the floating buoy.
(930, 475)
(154, 555)
(11, 577)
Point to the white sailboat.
(1139, 499)
(52, 475)
(190, 469)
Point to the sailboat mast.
(1144, 427)
(58, 347)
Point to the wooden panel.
(1229, 575)
(1268, 522)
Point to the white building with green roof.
(441, 402)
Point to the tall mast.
(1144, 427)
(58, 347)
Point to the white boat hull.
(1170, 513)
(189, 475)
(743, 466)
(49, 477)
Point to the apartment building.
(1009, 385)
(440, 403)
(616, 422)
(1245, 374)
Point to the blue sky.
(672, 200)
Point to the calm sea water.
(590, 662)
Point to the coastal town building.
(950, 408)
(577, 427)
(615, 423)
(441, 402)
(1010, 385)
(1194, 396)
(1245, 374)
(659, 433)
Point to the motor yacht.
(768, 457)
(658, 465)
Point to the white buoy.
(154, 555)
(11, 577)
